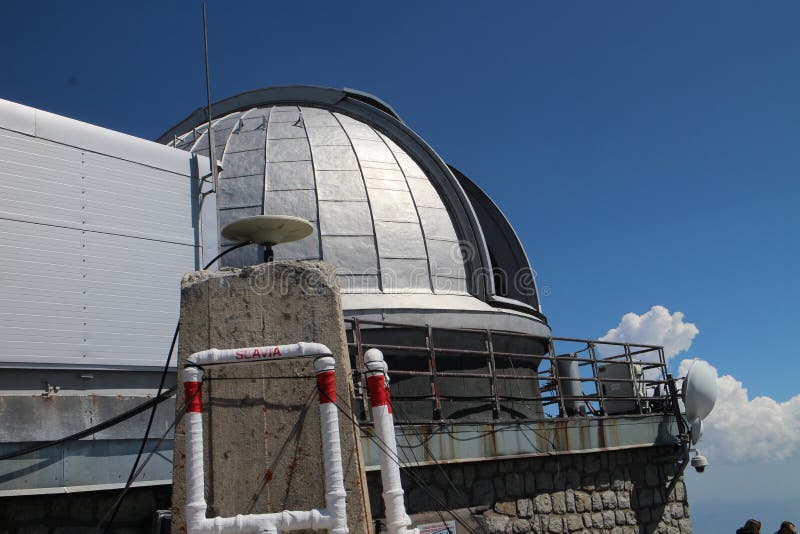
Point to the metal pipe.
(493, 370)
(295, 350)
(211, 148)
(332, 518)
(397, 519)
(499, 332)
(362, 380)
(437, 405)
(335, 495)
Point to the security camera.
(699, 462)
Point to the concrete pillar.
(262, 430)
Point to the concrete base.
(262, 434)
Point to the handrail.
(605, 387)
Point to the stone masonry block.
(524, 508)
(597, 502)
(542, 504)
(515, 485)
(494, 523)
(506, 508)
(574, 523)
(619, 517)
(555, 525)
(520, 526)
(583, 501)
(609, 500)
(559, 502)
(262, 435)
(570, 498)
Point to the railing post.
(493, 372)
(362, 380)
(597, 384)
(557, 378)
(634, 381)
(437, 403)
(664, 374)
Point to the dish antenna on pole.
(700, 390)
(699, 394)
(268, 230)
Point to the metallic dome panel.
(375, 212)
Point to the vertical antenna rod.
(211, 148)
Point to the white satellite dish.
(268, 230)
(700, 390)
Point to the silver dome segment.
(386, 210)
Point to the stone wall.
(77, 513)
(619, 492)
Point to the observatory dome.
(411, 237)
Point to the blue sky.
(645, 152)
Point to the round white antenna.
(268, 230)
(700, 390)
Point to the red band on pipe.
(378, 392)
(326, 382)
(192, 396)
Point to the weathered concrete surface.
(262, 434)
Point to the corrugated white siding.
(92, 246)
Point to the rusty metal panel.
(458, 442)
(83, 464)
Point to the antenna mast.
(211, 149)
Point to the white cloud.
(754, 429)
(655, 327)
(739, 429)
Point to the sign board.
(448, 527)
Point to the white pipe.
(195, 474)
(335, 494)
(334, 517)
(397, 519)
(273, 352)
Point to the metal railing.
(550, 378)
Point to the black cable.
(124, 416)
(234, 247)
(164, 374)
(146, 432)
(416, 461)
(396, 459)
(175, 421)
(122, 494)
(424, 443)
